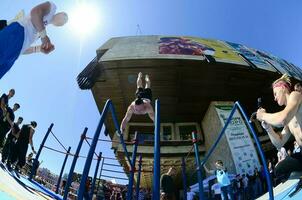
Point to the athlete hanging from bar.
(142, 104)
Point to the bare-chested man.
(290, 118)
(142, 104)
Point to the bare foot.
(147, 78)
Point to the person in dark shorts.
(10, 142)
(25, 138)
(290, 118)
(142, 104)
(167, 186)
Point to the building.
(195, 80)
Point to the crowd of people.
(13, 139)
(114, 191)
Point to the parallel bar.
(267, 175)
(91, 151)
(35, 164)
(62, 170)
(95, 175)
(199, 172)
(131, 178)
(156, 168)
(117, 127)
(75, 158)
(138, 176)
(184, 177)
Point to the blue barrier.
(156, 167)
(138, 179)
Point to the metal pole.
(267, 175)
(95, 175)
(130, 185)
(156, 175)
(35, 163)
(197, 160)
(62, 170)
(117, 127)
(138, 179)
(75, 158)
(97, 189)
(92, 150)
(184, 177)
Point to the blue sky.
(46, 85)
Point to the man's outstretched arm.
(151, 112)
(37, 14)
(127, 118)
(283, 117)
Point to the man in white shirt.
(17, 37)
(222, 179)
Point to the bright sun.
(84, 19)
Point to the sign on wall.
(198, 47)
(241, 145)
(281, 65)
(252, 56)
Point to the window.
(145, 132)
(167, 131)
(184, 130)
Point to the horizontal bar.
(115, 177)
(108, 170)
(112, 164)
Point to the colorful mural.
(183, 46)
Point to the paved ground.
(13, 187)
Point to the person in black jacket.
(10, 142)
(25, 138)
